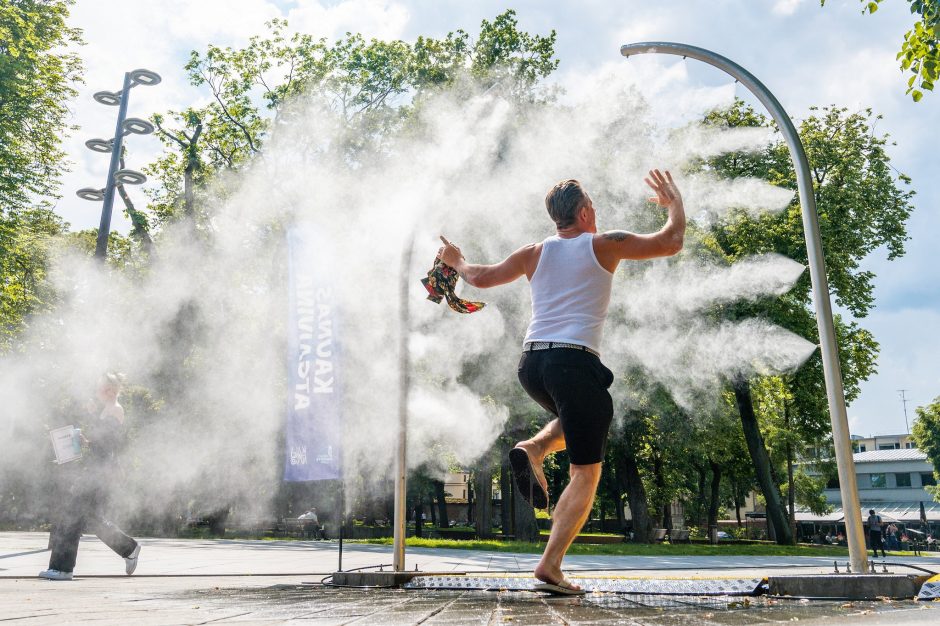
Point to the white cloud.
(372, 18)
(786, 7)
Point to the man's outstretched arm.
(619, 244)
(483, 276)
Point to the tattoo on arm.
(616, 235)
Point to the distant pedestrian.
(891, 537)
(93, 478)
(874, 533)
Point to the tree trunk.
(141, 229)
(419, 513)
(525, 527)
(483, 486)
(470, 497)
(505, 502)
(660, 479)
(701, 512)
(189, 185)
(776, 518)
(433, 512)
(791, 488)
(713, 502)
(629, 474)
(441, 496)
(618, 510)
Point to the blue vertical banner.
(314, 430)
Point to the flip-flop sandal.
(524, 475)
(562, 588)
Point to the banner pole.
(342, 520)
(401, 464)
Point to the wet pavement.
(345, 606)
(202, 582)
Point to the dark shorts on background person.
(572, 385)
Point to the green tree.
(862, 207)
(37, 78)
(926, 432)
(920, 51)
(37, 81)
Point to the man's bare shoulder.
(529, 256)
(613, 235)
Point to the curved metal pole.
(817, 269)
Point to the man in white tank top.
(570, 275)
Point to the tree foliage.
(37, 78)
(926, 432)
(920, 52)
(374, 84)
(863, 207)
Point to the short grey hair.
(563, 202)
(113, 381)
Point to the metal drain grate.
(642, 586)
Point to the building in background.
(882, 442)
(891, 476)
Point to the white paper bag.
(66, 443)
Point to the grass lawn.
(628, 549)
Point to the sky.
(806, 54)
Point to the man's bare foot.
(537, 460)
(553, 576)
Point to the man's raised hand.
(665, 188)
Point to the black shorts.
(572, 384)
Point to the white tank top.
(570, 293)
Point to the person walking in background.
(571, 275)
(874, 533)
(89, 493)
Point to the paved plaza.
(272, 582)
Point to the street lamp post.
(124, 126)
(832, 371)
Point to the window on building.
(879, 481)
(908, 445)
(861, 447)
(833, 483)
(903, 480)
(927, 479)
(888, 446)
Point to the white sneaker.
(54, 574)
(130, 562)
